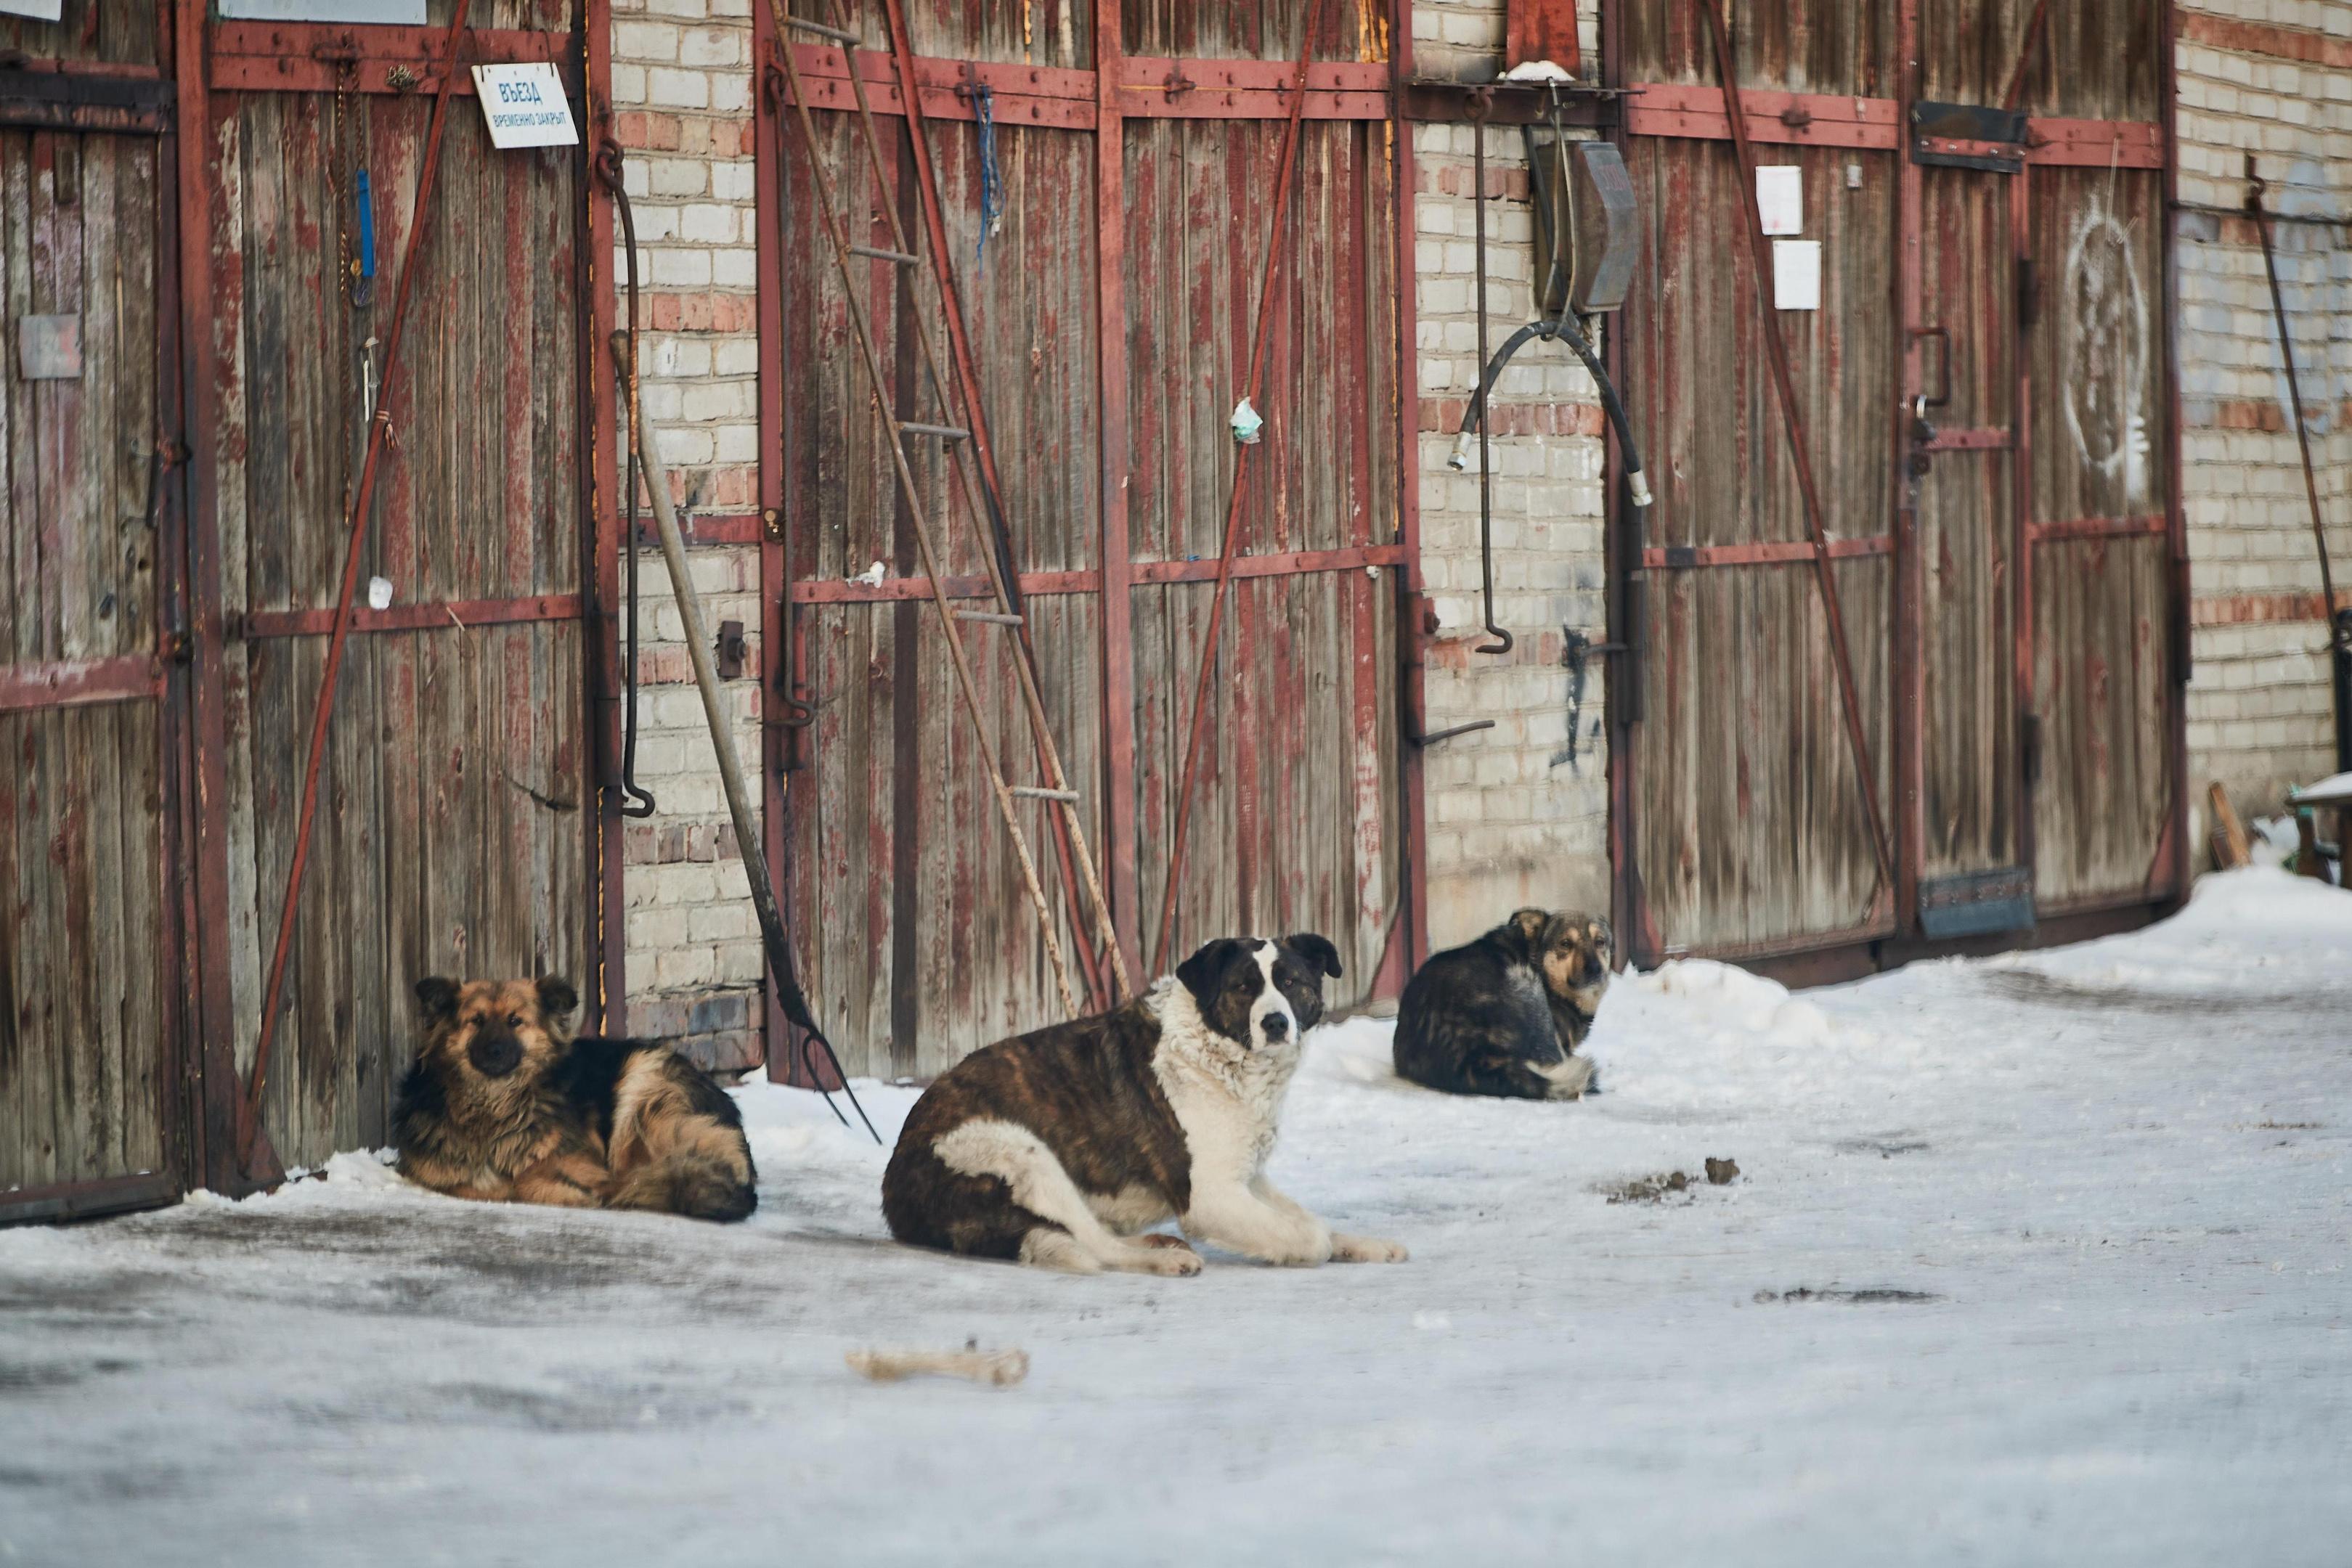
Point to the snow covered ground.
(2041, 1259)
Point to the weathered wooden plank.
(1967, 534)
(2103, 689)
(1802, 46)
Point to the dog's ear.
(556, 997)
(436, 998)
(1317, 949)
(1206, 966)
(1530, 925)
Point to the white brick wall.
(1512, 818)
(2260, 710)
(681, 90)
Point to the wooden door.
(1144, 205)
(1751, 832)
(458, 806)
(91, 1006)
(1984, 393)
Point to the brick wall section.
(2274, 78)
(681, 94)
(1516, 815)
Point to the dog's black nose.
(495, 1056)
(1276, 1025)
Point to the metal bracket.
(1435, 736)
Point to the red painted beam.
(1814, 119)
(463, 614)
(2098, 528)
(2094, 143)
(1817, 119)
(1779, 552)
(1952, 440)
(307, 56)
(81, 683)
(1149, 88)
(1295, 564)
(1019, 95)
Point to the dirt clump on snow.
(1667, 1185)
(1877, 1295)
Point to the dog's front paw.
(1169, 1254)
(1366, 1249)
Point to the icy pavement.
(2039, 1258)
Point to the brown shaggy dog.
(502, 1106)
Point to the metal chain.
(345, 264)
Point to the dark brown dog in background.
(1503, 1015)
(504, 1106)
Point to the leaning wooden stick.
(996, 1368)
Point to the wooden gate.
(1985, 392)
(91, 1015)
(1137, 146)
(460, 828)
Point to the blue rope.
(991, 183)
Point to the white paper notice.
(1780, 198)
(525, 106)
(39, 10)
(1797, 274)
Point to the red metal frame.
(1118, 611)
(1777, 553)
(201, 370)
(1414, 615)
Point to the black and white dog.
(1503, 1015)
(1056, 1146)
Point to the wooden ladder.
(1056, 789)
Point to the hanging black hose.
(1562, 326)
(634, 800)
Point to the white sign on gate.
(39, 10)
(524, 106)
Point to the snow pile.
(2039, 1257)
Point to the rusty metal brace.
(1777, 353)
(2255, 186)
(250, 1137)
(1275, 237)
